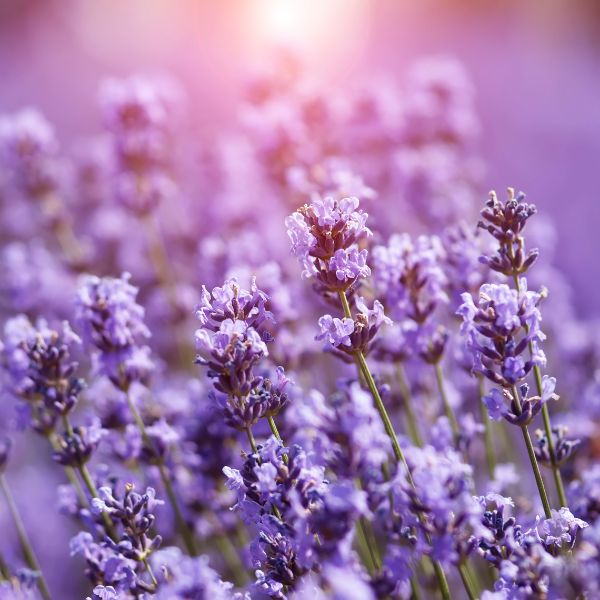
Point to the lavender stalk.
(26, 547)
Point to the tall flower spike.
(29, 146)
(324, 235)
(349, 335)
(409, 279)
(112, 322)
(505, 221)
(499, 329)
(232, 302)
(39, 369)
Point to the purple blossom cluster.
(219, 423)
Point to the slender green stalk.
(558, 482)
(232, 559)
(182, 526)
(4, 572)
(69, 472)
(537, 373)
(369, 541)
(90, 485)
(534, 464)
(389, 428)
(251, 440)
(490, 454)
(274, 429)
(467, 582)
(62, 228)
(439, 376)
(164, 275)
(415, 590)
(275, 432)
(411, 421)
(365, 550)
(27, 548)
(150, 572)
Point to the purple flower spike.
(324, 236)
(113, 326)
(347, 336)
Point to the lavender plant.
(309, 456)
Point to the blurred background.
(535, 68)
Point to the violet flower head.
(442, 493)
(409, 276)
(231, 353)
(564, 448)
(135, 513)
(502, 404)
(230, 301)
(410, 281)
(506, 221)
(347, 336)
(37, 362)
(137, 113)
(500, 328)
(585, 495)
(29, 148)
(74, 448)
(113, 325)
(188, 577)
(560, 530)
(324, 235)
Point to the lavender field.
(265, 331)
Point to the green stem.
(534, 464)
(251, 440)
(4, 572)
(560, 488)
(164, 275)
(275, 432)
(232, 559)
(490, 454)
(150, 572)
(70, 473)
(414, 588)
(89, 484)
(411, 421)
(466, 579)
(27, 548)
(274, 429)
(439, 376)
(558, 482)
(389, 428)
(370, 542)
(186, 534)
(365, 550)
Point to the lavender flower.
(36, 360)
(135, 512)
(560, 530)
(499, 329)
(506, 222)
(113, 325)
(29, 146)
(187, 577)
(350, 335)
(324, 235)
(235, 304)
(442, 493)
(410, 281)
